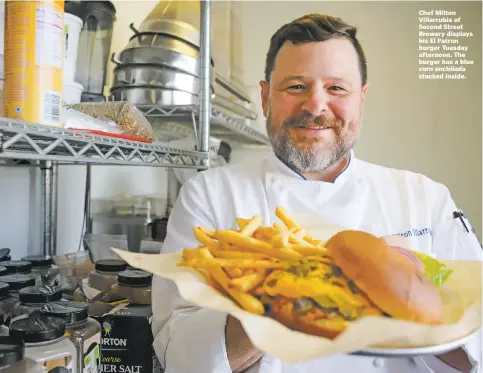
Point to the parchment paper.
(462, 300)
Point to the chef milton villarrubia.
(314, 287)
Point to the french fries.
(238, 261)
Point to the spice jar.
(3, 271)
(45, 342)
(7, 303)
(83, 331)
(44, 269)
(5, 254)
(32, 298)
(17, 266)
(12, 357)
(105, 273)
(17, 282)
(135, 285)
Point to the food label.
(92, 355)
(48, 37)
(34, 44)
(62, 364)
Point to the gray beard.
(311, 159)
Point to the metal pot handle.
(136, 32)
(115, 60)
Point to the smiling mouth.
(314, 127)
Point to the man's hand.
(241, 352)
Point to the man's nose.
(316, 100)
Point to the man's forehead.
(335, 57)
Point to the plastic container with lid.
(7, 303)
(45, 342)
(12, 357)
(135, 285)
(44, 269)
(3, 328)
(17, 282)
(18, 266)
(3, 271)
(5, 254)
(32, 298)
(105, 273)
(83, 331)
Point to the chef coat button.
(378, 363)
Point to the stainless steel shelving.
(26, 141)
(170, 119)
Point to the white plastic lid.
(75, 85)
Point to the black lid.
(39, 261)
(70, 312)
(4, 254)
(11, 351)
(4, 290)
(18, 281)
(36, 329)
(110, 265)
(135, 277)
(40, 294)
(17, 266)
(3, 271)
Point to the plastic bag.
(128, 117)
(74, 119)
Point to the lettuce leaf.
(436, 271)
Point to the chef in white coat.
(313, 95)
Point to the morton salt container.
(34, 46)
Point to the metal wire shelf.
(26, 141)
(222, 125)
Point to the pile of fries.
(239, 262)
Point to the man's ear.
(363, 94)
(264, 92)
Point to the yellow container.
(34, 51)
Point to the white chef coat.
(364, 196)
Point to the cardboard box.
(127, 339)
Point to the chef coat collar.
(285, 169)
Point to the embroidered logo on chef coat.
(416, 232)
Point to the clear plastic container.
(44, 269)
(17, 266)
(105, 274)
(83, 331)
(32, 298)
(74, 267)
(134, 285)
(45, 342)
(12, 358)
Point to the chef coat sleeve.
(187, 338)
(454, 239)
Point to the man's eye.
(336, 88)
(296, 87)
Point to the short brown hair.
(314, 27)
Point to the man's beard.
(312, 157)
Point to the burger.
(360, 276)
